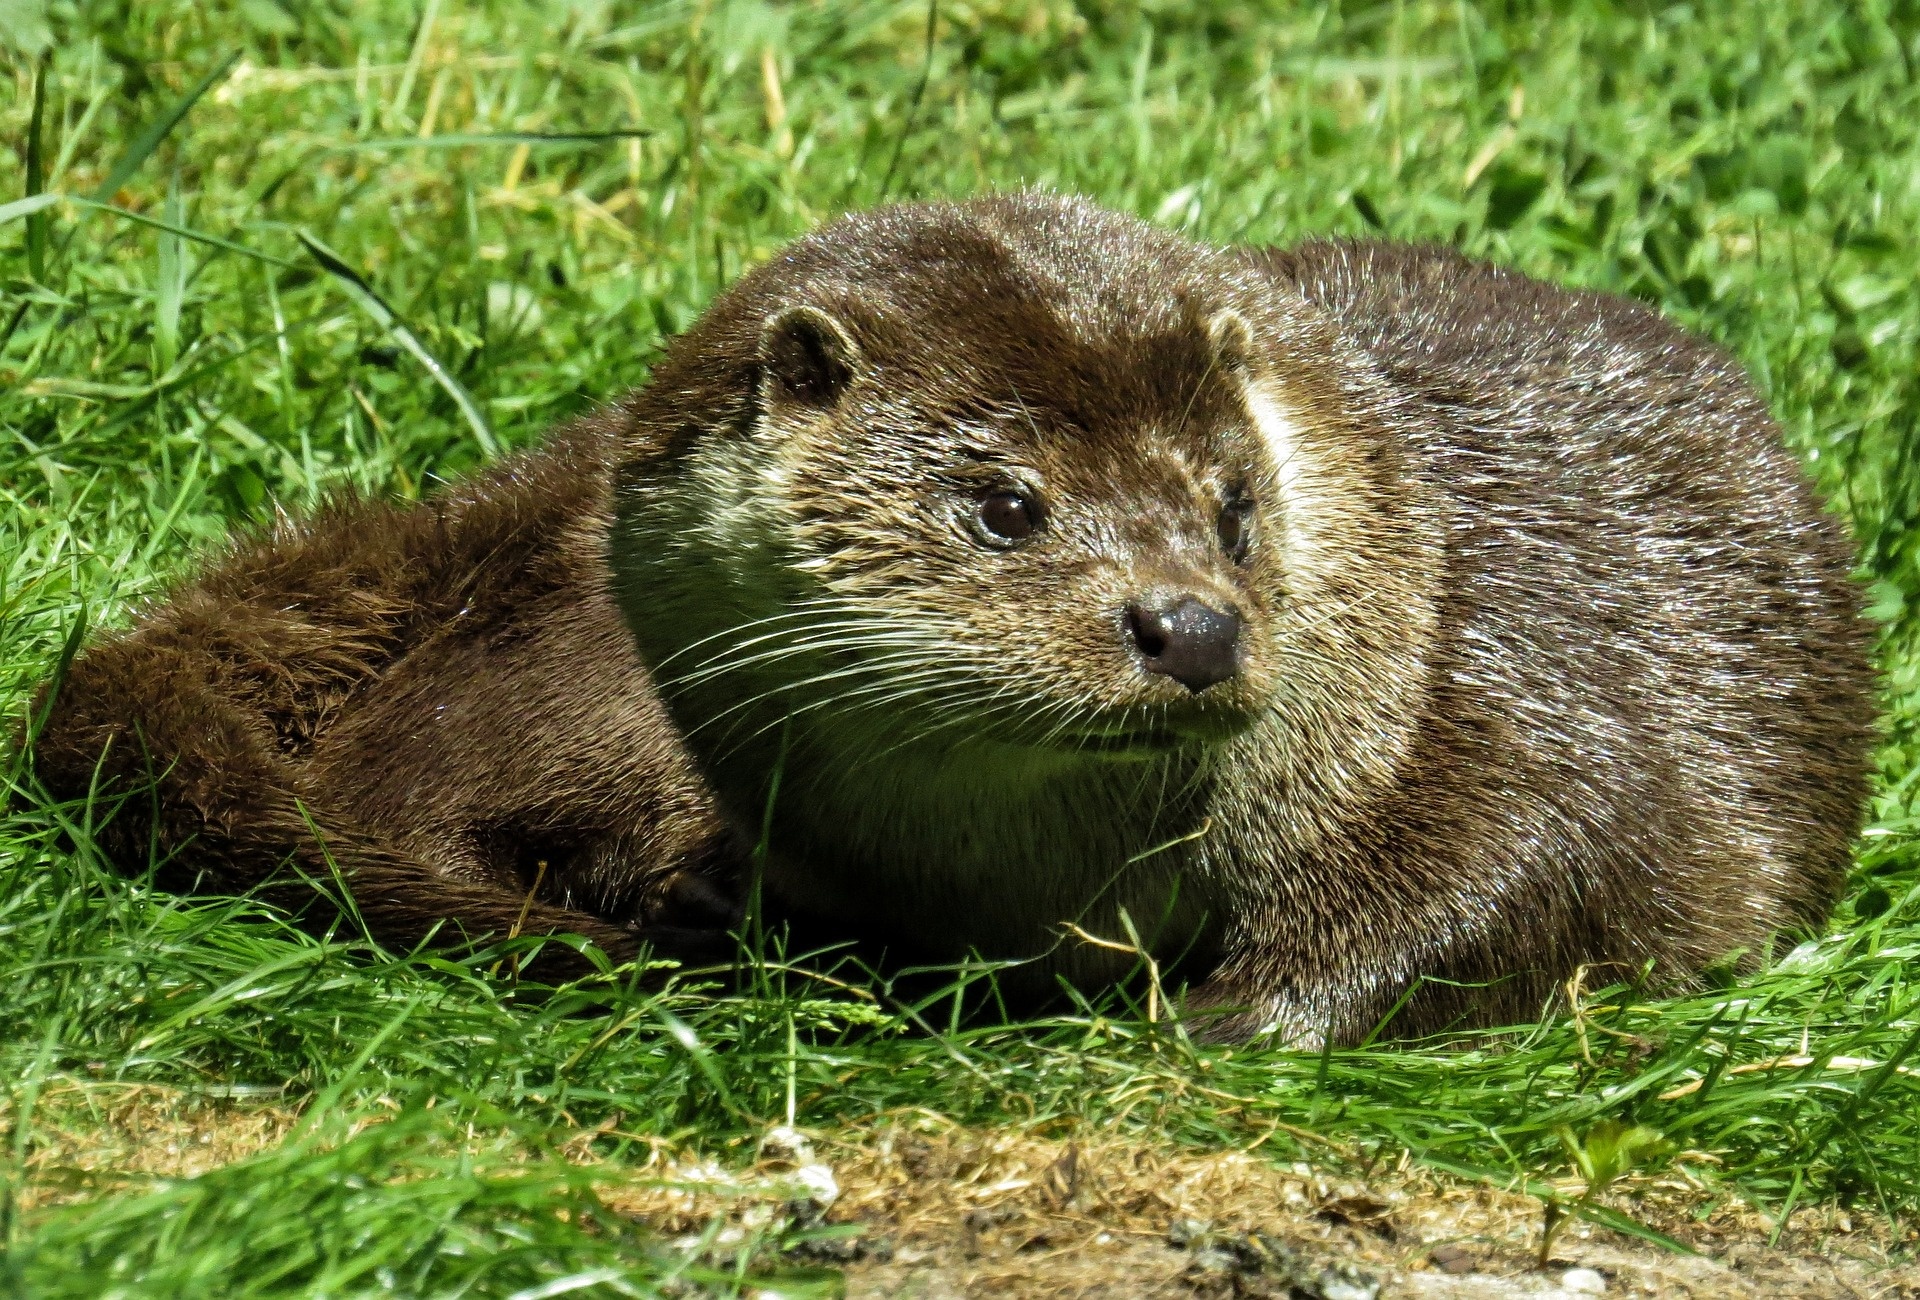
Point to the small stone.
(818, 1182)
(1344, 1282)
(1452, 1259)
(784, 1143)
(1583, 1281)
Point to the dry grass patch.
(95, 1139)
(946, 1211)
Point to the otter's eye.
(1236, 529)
(1007, 517)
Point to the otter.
(1373, 634)
(1377, 630)
(434, 705)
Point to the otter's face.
(1087, 543)
(1066, 535)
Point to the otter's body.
(1514, 639)
(1330, 619)
(437, 700)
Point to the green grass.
(530, 202)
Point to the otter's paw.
(693, 922)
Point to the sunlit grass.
(537, 198)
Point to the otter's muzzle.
(1195, 644)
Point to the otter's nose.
(1190, 642)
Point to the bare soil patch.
(945, 1213)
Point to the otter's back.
(1639, 579)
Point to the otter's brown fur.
(1547, 655)
(434, 699)
(1528, 646)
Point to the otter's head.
(1019, 471)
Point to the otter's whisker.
(890, 677)
(720, 665)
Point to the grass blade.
(919, 95)
(362, 293)
(69, 647)
(173, 228)
(36, 176)
(27, 207)
(172, 284)
(535, 138)
(149, 139)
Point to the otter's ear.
(807, 356)
(1232, 340)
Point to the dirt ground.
(915, 1207)
(946, 1213)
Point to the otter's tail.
(173, 727)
